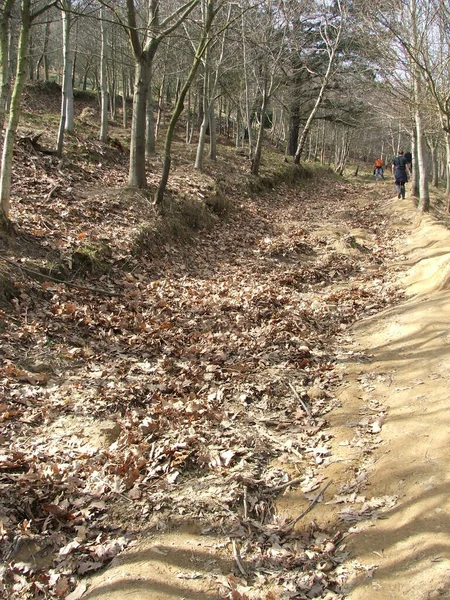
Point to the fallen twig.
(286, 484)
(245, 502)
(237, 558)
(302, 402)
(313, 503)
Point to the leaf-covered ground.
(147, 381)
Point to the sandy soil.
(409, 350)
(390, 447)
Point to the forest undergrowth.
(158, 370)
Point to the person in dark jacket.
(408, 157)
(401, 172)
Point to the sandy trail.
(410, 350)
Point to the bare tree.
(27, 17)
(209, 93)
(331, 34)
(5, 83)
(103, 78)
(66, 118)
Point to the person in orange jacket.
(378, 169)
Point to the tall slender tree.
(5, 83)
(27, 17)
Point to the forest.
(189, 229)
(323, 81)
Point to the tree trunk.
(150, 147)
(294, 127)
(415, 170)
(5, 80)
(201, 105)
(212, 133)
(188, 118)
(433, 146)
(160, 106)
(332, 46)
(312, 114)
(103, 78)
(424, 196)
(136, 175)
(259, 142)
(14, 111)
(44, 52)
(205, 123)
(43, 59)
(124, 100)
(247, 93)
(66, 91)
(69, 124)
(447, 170)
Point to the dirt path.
(408, 374)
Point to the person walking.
(400, 170)
(378, 169)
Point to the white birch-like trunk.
(424, 195)
(205, 122)
(256, 162)
(5, 80)
(150, 146)
(67, 79)
(212, 132)
(124, 100)
(14, 112)
(103, 78)
(447, 168)
(69, 124)
(415, 162)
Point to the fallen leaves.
(211, 364)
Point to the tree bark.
(124, 100)
(66, 91)
(144, 56)
(103, 78)
(447, 170)
(14, 111)
(433, 146)
(150, 147)
(256, 162)
(5, 81)
(248, 115)
(137, 176)
(415, 162)
(212, 132)
(424, 195)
